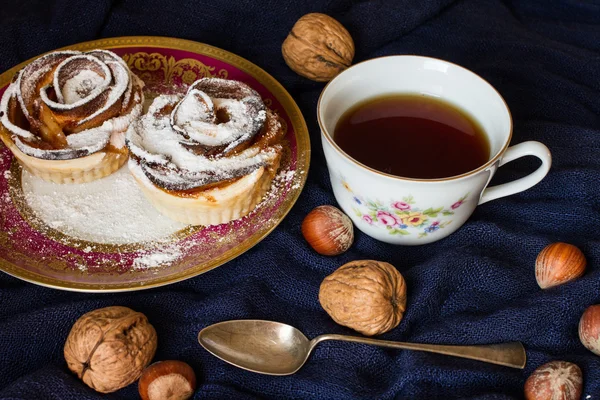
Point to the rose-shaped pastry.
(207, 157)
(64, 116)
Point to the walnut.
(108, 348)
(365, 295)
(318, 47)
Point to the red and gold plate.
(32, 251)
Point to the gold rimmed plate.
(33, 251)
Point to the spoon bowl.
(274, 348)
(260, 346)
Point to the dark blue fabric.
(477, 286)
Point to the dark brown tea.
(412, 136)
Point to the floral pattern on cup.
(402, 217)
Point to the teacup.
(410, 211)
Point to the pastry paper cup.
(78, 170)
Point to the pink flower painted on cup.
(404, 217)
(457, 204)
(400, 205)
(387, 218)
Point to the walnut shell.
(109, 347)
(365, 295)
(318, 47)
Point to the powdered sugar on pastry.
(70, 75)
(154, 140)
(28, 78)
(182, 143)
(89, 96)
(195, 117)
(79, 87)
(10, 94)
(87, 142)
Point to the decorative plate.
(32, 250)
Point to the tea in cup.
(411, 144)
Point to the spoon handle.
(507, 354)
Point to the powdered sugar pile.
(113, 210)
(109, 210)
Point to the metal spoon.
(274, 348)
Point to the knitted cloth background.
(476, 286)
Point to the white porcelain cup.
(417, 211)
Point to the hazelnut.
(555, 380)
(318, 47)
(365, 295)
(109, 347)
(167, 380)
(328, 230)
(558, 263)
(589, 329)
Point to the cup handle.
(531, 148)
